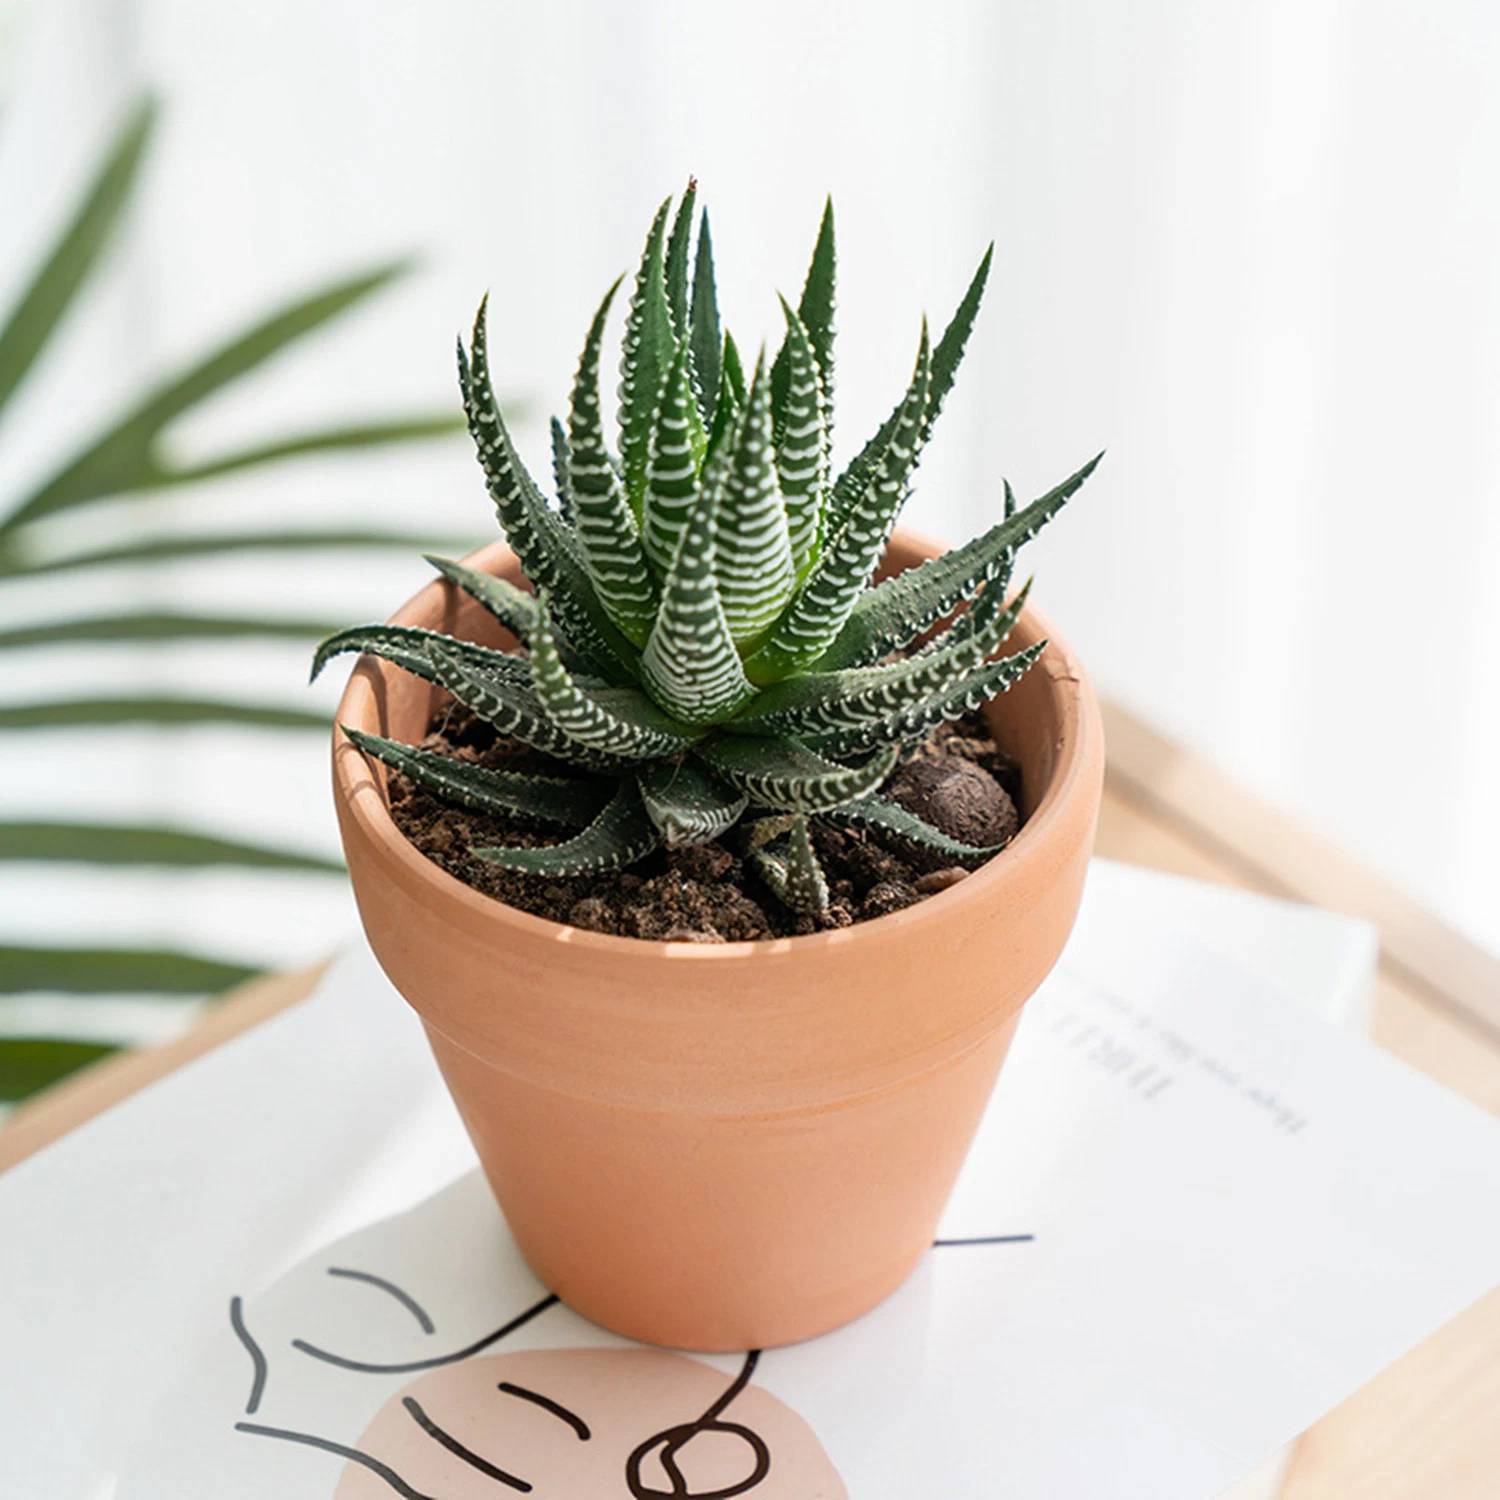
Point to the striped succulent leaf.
(606, 525)
(620, 835)
(752, 551)
(649, 348)
(678, 445)
(793, 872)
(707, 643)
(802, 444)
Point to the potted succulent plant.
(716, 1145)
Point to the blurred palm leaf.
(130, 458)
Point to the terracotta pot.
(724, 1146)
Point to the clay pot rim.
(356, 786)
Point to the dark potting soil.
(959, 780)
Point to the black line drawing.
(548, 1404)
(368, 1367)
(674, 1439)
(353, 1455)
(457, 1449)
(258, 1383)
(409, 1302)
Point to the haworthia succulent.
(620, 835)
(606, 525)
(406, 646)
(630, 726)
(706, 336)
(690, 665)
(648, 351)
(823, 602)
(688, 803)
(793, 872)
(802, 444)
(706, 638)
(546, 800)
(784, 775)
(752, 551)
(678, 444)
(514, 608)
(895, 612)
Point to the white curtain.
(1251, 248)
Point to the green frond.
(546, 800)
(678, 444)
(628, 725)
(705, 337)
(91, 713)
(512, 708)
(407, 647)
(514, 608)
(29, 1064)
(892, 614)
(127, 844)
(688, 803)
(690, 665)
(785, 776)
(620, 835)
(676, 269)
(890, 817)
(802, 444)
(646, 355)
(752, 551)
(562, 463)
(116, 971)
(606, 524)
(543, 545)
(908, 726)
(816, 310)
(157, 625)
(823, 603)
(794, 874)
(822, 703)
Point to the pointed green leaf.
(911, 724)
(823, 703)
(646, 355)
(794, 874)
(892, 614)
(784, 775)
(730, 405)
(514, 608)
(890, 817)
(29, 1064)
(705, 335)
(619, 836)
(123, 971)
(678, 444)
(687, 802)
(122, 844)
(816, 310)
(626, 724)
(678, 244)
(802, 444)
(607, 531)
(544, 546)
(823, 603)
(79, 713)
(541, 799)
(690, 665)
(752, 551)
(127, 458)
(158, 625)
(562, 460)
(406, 646)
(511, 707)
(73, 254)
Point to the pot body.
(730, 1146)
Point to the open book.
(1197, 1216)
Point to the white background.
(1250, 248)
